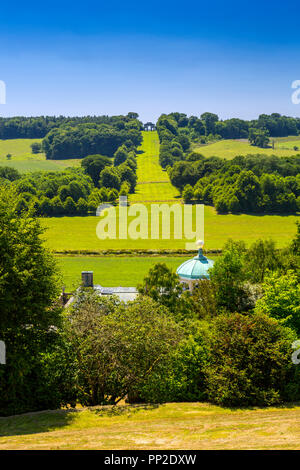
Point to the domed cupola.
(195, 268)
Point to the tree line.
(75, 191)
(209, 124)
(89, 139)
(228, 342)
(75, 137)
(177, 131)
(253, 183)
(21, 127)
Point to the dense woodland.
(253, 183)
(21, 127)
(75, 137)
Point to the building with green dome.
(195, 269)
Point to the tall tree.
(28, 313)
(94, 164)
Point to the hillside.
(230, 148)
(23, 159)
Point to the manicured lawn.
(169, 426)
(111, 271)
(156, 192)
(79, 233)
(24, 161)
(153, 182)
(231, 148)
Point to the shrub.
(181, 377)
(118, 347)
(203, 300)
(281, 299)
(9, 173)
(249, 360)
(164, 287)
(36, 147)
(228, 276)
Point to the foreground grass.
(111, 271)
(24, 161)
(169, 426)
(230, 148)
(79, 233)
(153, 182)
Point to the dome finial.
(200, 244)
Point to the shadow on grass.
(46, 421)
(123, 409)
(37, 422)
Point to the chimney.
(87, 278)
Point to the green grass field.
(230, 148)
(24, 161)
(20, 149)
(168, 426)
(153, 182)
(288, 143)
(112, 271)
(79, 233)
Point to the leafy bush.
(249, 361)
(281, 299)
(164, 287)
(118, 347)
(181, 377)
(228, 277)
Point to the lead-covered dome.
(195, 268)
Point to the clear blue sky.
(234, 58)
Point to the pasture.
(230, 148)
(112, 271)
(79, 233)
(168, 426)
(25, 162)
